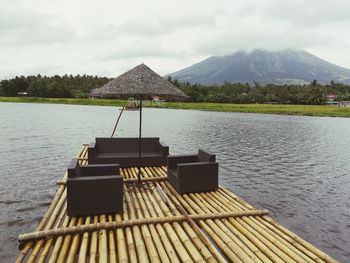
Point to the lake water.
(297, 167)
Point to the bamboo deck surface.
(226, 229)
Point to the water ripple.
(297, 167)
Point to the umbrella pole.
(140, 129)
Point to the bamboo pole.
(42, 223)
(228, 237)
(79, 229)
(301, 241)
(290, 241)
(146, 234)
(129, 235)
(49, 242)
(274, 240)
(140, 244)
(84, 244)
(277, 239)
(58, 242)
(70, 243)
(66, 242)
(279, 242)
(191, 211)
(221, 242)
(47, 221)
(261, 237)
(74, 245)
(235, 198)
(121, 246)
(40, 243)
(195, 255)
(171, 254)
(198, 244)
(278, 250)
(245, 244)
(220, 229)
(154, 235)
(291, 250)
(197, 241)
(102, 242)
(93, 244)
(174, 239)
(112, 255)
(256, 241)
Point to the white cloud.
(107, 37)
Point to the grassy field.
(308, 110)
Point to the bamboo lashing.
(133, 222)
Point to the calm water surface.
(297, 167)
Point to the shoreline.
(281, 109)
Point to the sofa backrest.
(126, 145)
(204, 156)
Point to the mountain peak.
(287, 66)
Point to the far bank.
(284, 109)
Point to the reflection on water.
(297, 167)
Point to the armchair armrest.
(99, 169)
(173, 160)
(73, 168)
(91, 151)
(163, 149)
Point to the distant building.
(330, 99)
(22, 93)
(156, 98)
(344, 103)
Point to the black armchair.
(94, 189)
(193, 173)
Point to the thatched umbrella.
(140, 81)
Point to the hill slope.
(287, 66)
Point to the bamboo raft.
(159, 225)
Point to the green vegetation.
(52, 87)
(309, 110)
(311, 94)
(238, 97)
(93, 102)
(81, 85)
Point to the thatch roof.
(140, 80)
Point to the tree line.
(79, 86)
(67, 86)
(313, 93)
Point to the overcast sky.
(108, 37)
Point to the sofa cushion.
(126, 154)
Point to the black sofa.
(193, 173)
(94, 189)
(125, 152)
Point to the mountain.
(289, 66)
